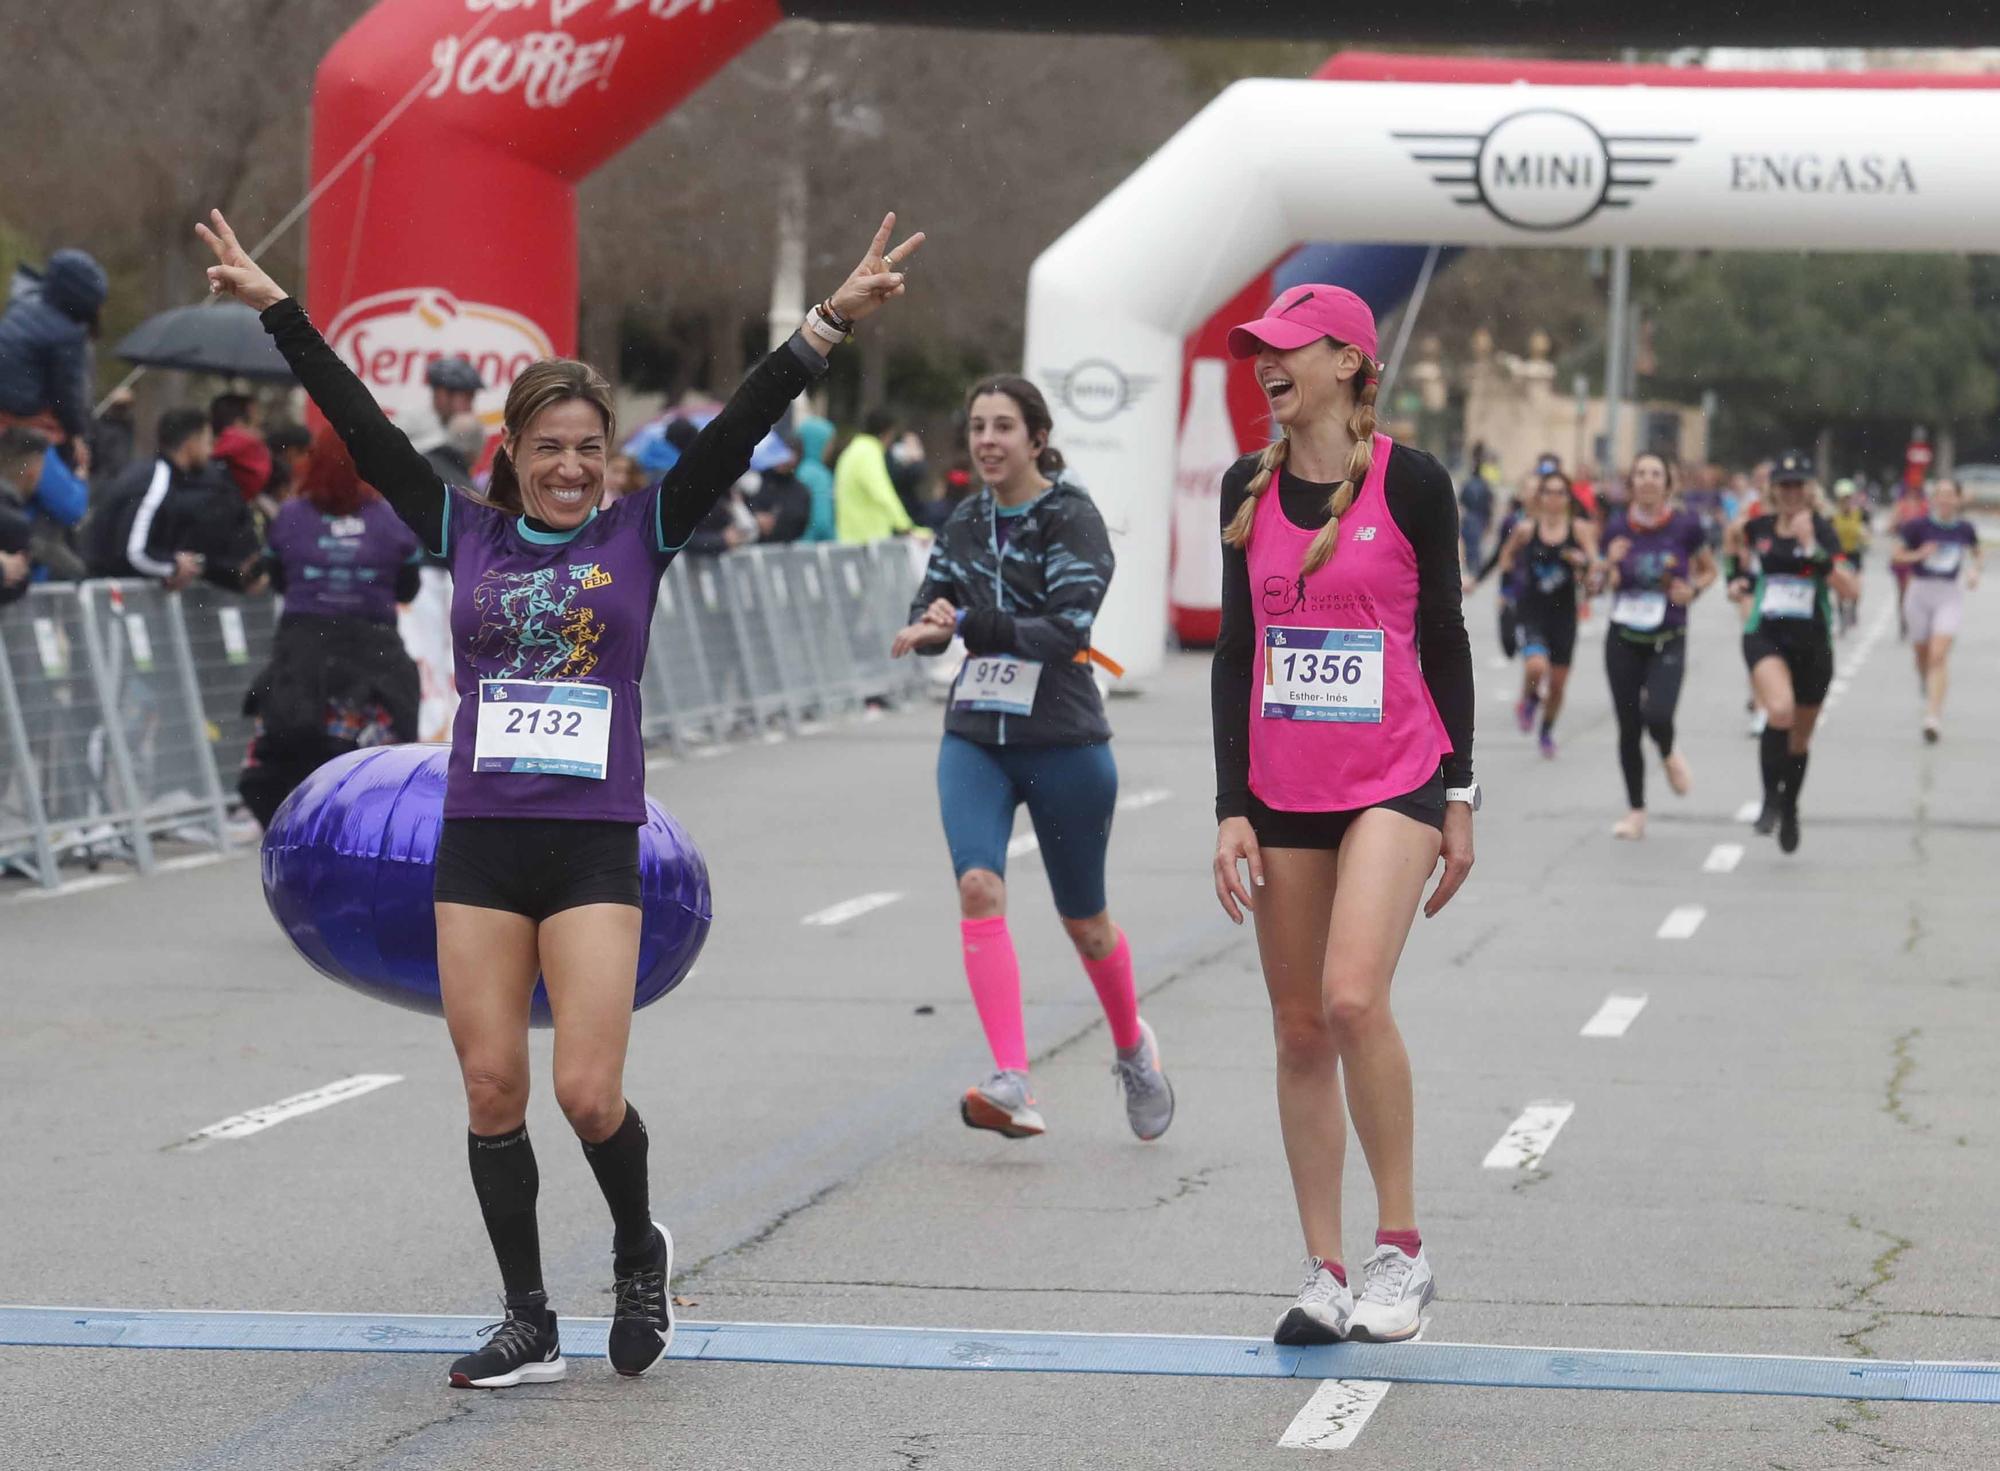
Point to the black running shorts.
(536, 867)
(1808, 654)
(1277, 829)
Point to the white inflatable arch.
(1269, 164)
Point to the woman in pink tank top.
(1343, 772)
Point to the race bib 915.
(1323, 674)
(998, 683)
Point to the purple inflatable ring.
(348, 863)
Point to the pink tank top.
(1340, 716)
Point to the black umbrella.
(224, 338)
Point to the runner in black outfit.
(1782, 563)
(1547, 553)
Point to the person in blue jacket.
(45, 332)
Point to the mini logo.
(1364, 533)
(392, 338)
(1096, 390)
(591, 576)
(1544, 168)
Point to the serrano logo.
(1096, 390)
(1544, 168)
(391, 339)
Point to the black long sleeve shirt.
(1424, 505)
(384, 457)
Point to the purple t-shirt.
(341, 566)
(1655, 559)
(1951, 538)
(566, 607)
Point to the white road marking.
(242, 1125)
(1026, 843)
(1723, 857)
(1614, 1016)
(1749, 811)
(1499, 661)
(111, 880)
(848, 909)
(1143, 798)
(1333, 1417)
(1528, 1138)
(1681, 923)
(75, 886)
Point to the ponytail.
(1360, 424)
(503, 487)
(1051, 462)
(1237, 533)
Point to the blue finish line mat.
(867, 1347)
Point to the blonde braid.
(1271, 460)
(1360, 424)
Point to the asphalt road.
(1792, 1149)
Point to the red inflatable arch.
(454, 229)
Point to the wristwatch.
(1468, 795)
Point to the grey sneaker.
(1395, 1290)
(1003, 1104)
(1149, 1097)
(1322, 1311)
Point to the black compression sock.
(507, 1181)
(1773, 752)
(1795, 774)
(619, 1163)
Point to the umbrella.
(225, 339)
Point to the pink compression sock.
(1112, 976)
(1409, 1243)
(995, 978)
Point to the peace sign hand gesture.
(234, 273)
(879, 278)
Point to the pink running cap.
(1305, 314)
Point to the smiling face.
(1649, 484)
(1789, 497)
(1307, 382)
(1552, 496)
(997, 437)
(559, 460)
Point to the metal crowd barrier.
(121, 704)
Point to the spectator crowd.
(79, 499)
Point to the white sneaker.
(1320, 1315)
(1003, 1104)
(1395, 1290)
(1149, 1097)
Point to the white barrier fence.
(121, 704)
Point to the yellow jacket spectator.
(865, 504)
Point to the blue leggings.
(1070, 792)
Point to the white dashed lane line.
(1682, 923)
(242, 1125)
(1334, 1416)
(1528, 1138)
(1723, 857)
(848, 909)
(1614, 1016)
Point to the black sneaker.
(1767, 819)
(1788, 827)
(642, 1325)
(524, 1349)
